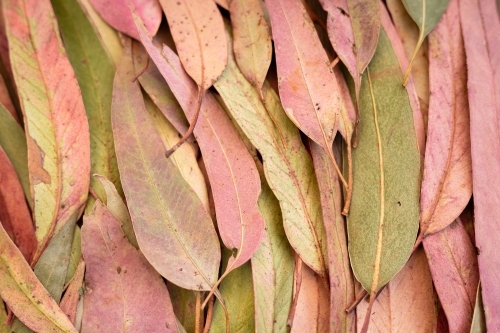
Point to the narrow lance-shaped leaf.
(447, 183)
(479, 320)
(478, 20)
(383, 221)
(176, 236)
(230, 167)
(426, 15)
(14, 213)
(141, 302)
(453, 263)
(94, 71)
(25, 295)
(287, 166)
(353, 29)
(72, 295)
(76, 254)
(4, 326)
(252, 40)
(406, 304)
(56, 125)
(118, 15)
(5, 100)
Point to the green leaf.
(426, 14)
(184, 303)
(76, 254)
(95, 72)
(13, 142)
(4, 328)
(384, 216)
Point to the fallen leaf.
(252, 40)
(5, 100)
(117, 13)
(453, 263)
(447, 182)
(73, 293)
(287, 166)
(76, 254)
(4, 327)
(169, 232)
(95, 72)
(426, 15)
(184, 304)
(14, 213)
(479, 320)
(55, 120)
(119, 281)
(483, 86)
(25, 295)
(406, 304)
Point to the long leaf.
(479, 19)
(56, 125)
(25, 295)
(287, 166)
(169, 220)
(94, 71)
(72, 296)
(120, 282)
(479, 320)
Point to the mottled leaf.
(230, 167)
(479, 20)
(383, 220)
(198, 32)
(287, 166)
(252, 40)
(453, 263)
(25, 295)
(117, 14)
(426, 15)
(406, 304)
(176, 236)
(119, 281)
(56, 125)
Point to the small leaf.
(56, 125)
(426, 15)
(120, 282)
(479, 320)
(5, 100)
(184, 304)
(4, 327)
(479, 22)
(252, 40)
(76, 254)
(25, 295)
(453, 263)
(118, 15)
(72, 295)
(169, 232)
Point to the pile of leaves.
(249, 166)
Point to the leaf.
(353, 28)
(483, 90)
(287, 166)
(184, 304)
(72, 295)
(447, 183)
(453, 263)
(25, 295)
(238, 295)
(272, 268)
(120, 282)
(118, 208)
(407, 303)
(479, 320)
(231, 169)
(252, 40)
(14, 213)
(340, 275)
(184, 157)
(383, 220)
(94, 71)
(426, 15)
(312, 304)
(198, 32)
(56, 126)
(169, 232)
(4, 327)
(408, 33)
(76, 255)
(109, 36)
(5, 100)
(118, 15)
(13, 142)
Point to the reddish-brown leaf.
(453, 263)
(480, 23)
(123, 292)
(69, 302)
(14, 213)
(118, 15)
